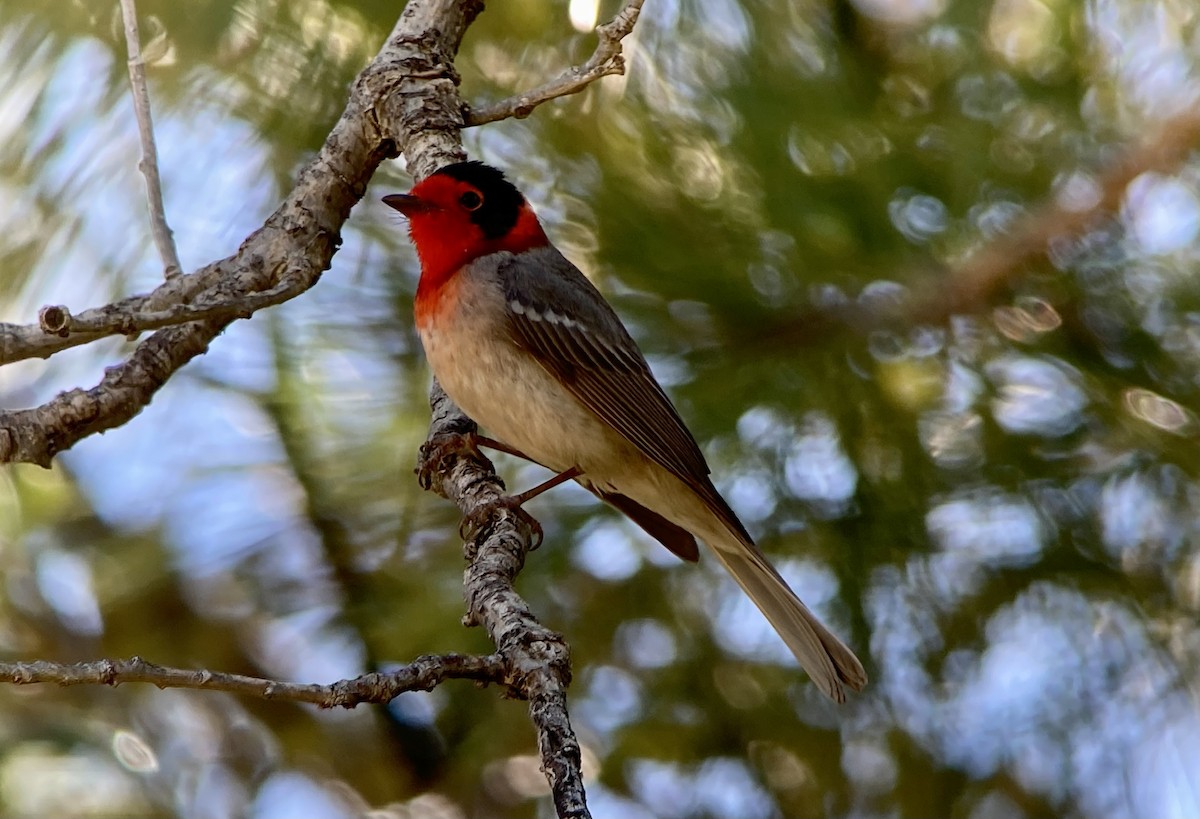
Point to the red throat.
(446, 241)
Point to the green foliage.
(996, 510)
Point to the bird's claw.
(479, 520)
(435, 453)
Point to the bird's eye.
(470, 200)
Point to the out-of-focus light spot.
(993, 527)
(871, 767)
(37, 782)
(759, 427)
(1163, 213)
(918, 217)
(901, 12)
(288, 794)
(1145, 49)
(994, 218)
(953, 440)
(1024, 32)
(701, 171)
(520, 777)
(612, 699)
(1077, 192)
(425, 806)
(963, 385)
(783, 769)
(883, 296)
(583, 14)
(816, 469)
(338, 32)
(1027, 319)
(737, 686)
(669, 370)
(158, 49)
(767, 281)
(924, 342)
(1160, 411)
(813, 156)
(1163, 776)
(646, 643)
(987, 97)
(664, 787)
(912, 383)
(727, 24)
(725, 787)
(607, 553)
(719, 787)
(133, 752)
(1035, 396)
(907, 96)
(1135, 520)
(416, 707)
(1187, 582)
(752, 495)
(1012, 155)
(886, 346)
(603, 802)
(65, 582)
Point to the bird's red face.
(461, 213)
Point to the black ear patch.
(501, 200)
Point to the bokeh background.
(998, 511)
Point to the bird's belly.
(505, 391)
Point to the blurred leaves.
(996, 509)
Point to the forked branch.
(608, 58)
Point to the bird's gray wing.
(558, 317)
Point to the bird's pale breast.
(504, 389)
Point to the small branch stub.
(55, 320)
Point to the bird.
(529, 349)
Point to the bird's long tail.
(826, 659)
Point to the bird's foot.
(486, 514)
(437, 453)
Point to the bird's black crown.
(501, 199)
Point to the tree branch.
(539, 660)
(149, 162)
(405, 98)
(180, 302)
(422, 674)
(606, 59)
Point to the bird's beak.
(408, 204)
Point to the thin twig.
(149, 163)
(606, 59)
(422, 674)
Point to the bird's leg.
(435, 452)
(500, 446)
(545, 486)
(473, 523)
